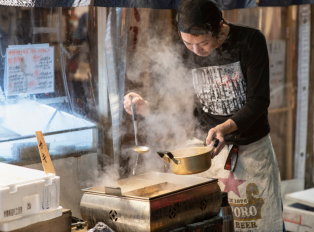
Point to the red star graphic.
(231, 184)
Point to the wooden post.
(235, 16)
(309, 148)
(290, 95)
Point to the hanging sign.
(277, 64)
(29, 69)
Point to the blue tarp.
(284, 2)
(171, 4)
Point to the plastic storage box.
(299, 217)
(27, 196)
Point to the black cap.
(198, 13)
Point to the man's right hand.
(142, 106)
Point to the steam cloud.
(157, 72)
(167, 85)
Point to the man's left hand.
(218, 134)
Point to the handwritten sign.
(29, 70)
(44, 154)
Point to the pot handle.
(216, 142)
(166, 155)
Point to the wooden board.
(44, 154)
(59, 224)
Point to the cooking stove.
(152, 202)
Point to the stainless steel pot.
(188, 161)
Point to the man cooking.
(230, 71)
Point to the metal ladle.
(136, 148)
(140, 149)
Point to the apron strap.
(232, 158)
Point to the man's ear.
(221, 24)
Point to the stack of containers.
(27, 196)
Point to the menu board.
(29, 69)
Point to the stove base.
(170, 202)
(159, 215)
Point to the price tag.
(44, 154)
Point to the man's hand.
(142, 106)
(218, 132)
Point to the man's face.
(201, 45)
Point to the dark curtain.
(171, 4)
(45, 3)
(284, 2)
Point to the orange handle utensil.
(44, 154)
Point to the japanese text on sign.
(29, 70)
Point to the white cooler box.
(27, 196)
(299, 217)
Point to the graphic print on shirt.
(220, 89)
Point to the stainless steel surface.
(154, 190)
(188, 161)
(113, 191)
(150, 179)
(226, 214)
(153, 202)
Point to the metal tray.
(149, 186)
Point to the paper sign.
(277, 64)
(29, 69)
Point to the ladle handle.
(133, 109)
